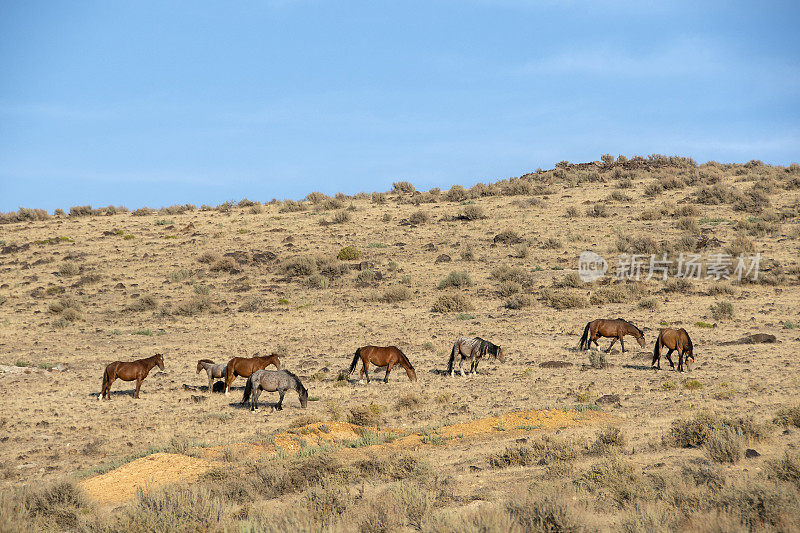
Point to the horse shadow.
(117, 393)
(638, 367)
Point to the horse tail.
(355, 360)
(584, 344)
(248, 388)
(657, 349)
(105, 378)
(452, 360)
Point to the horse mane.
(632, 325)
(205, 361)
(404, 358)
(485, 347)
(293, 376)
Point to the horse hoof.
(360, 381)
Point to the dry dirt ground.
(83, 291)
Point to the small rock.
(608, 399)
(750, 453)
(443, 258)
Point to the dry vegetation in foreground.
(714, 450)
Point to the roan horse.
(674, 339)
(128, 371)
(617, 329)
(387, 356)
(245, 366)
(214, 371)
(472, 349)
(273, 381)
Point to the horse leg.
(365, 371)
(460, 364)
(669, 352)
(210, 383)
(254, 398)
(610, 345)
(594, 340)
(622, 343)
(388, 369)
(680, 361)
(657, 358)
(279, 407)
(138, 386)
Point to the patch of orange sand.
(120, 484)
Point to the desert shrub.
(565, 300)
(69, 269)
(572, 212)
(471, 212)
(3, 299)
(457, 193)
(694, 432)
(788, 416)
(340, 217)
(449, 303)
(409, 401)
(724, 445)
(758, 506)
(740, 245)
(223, 264)
(378, 198)
(365, 277)
(301, 265)
(653, 189)
(687, 210)
(687, 224)
(518, 301)
(145, 302)
(195, 305)
(722, 310)
(397, 293)
(655, 213)
(551, 243)
(143, 212)
(513, 455)
(366, 415)
(547, 510)
(610, 294)
(716, 194)
(597, 359)
(173, 508)
(752, 201)
(291, 206)
(607, 439)
(81, 211)
(520, 251)
(403, 187)
(720, 289)
(349, 253)
(613, 479)
(570, 280)
(759, 227)
(63, 304)
(619, 196)
(643, 245)
(177, 276)
(53, 506)
(786, 468)
(208, 257)
(508, 288)
(253, 304)
(682, 285)
(598, 210)
(468, 253)
(419, 217)
(458, 279)
(325, 503)
(316, 197)
(508, 236)
(508, 273)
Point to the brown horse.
(129, 371)
(387, 356)
(674, 339)
(245, 366)
(609, 328)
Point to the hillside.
(313, 280)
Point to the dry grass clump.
(722, 310)
(471, 212)
(409, 401)
(419, 217)
(508, 288)
(253, 304)
(450, 303)
(69, 310)
(363, 278)
(548, 508)
(143, 212)
(687, 224)
(59, 506)
(518, 301)
(724, 445)
(614, 479)
(195, 305)
(608, 439)
(572, 212)
(457, 193)
(740, 245)
(508, 236)
(570, 280)
(510, 273)
(695, 432)
(597, 360)
(564, 299)
(298, 266)
(378, 198)
(611, 294)
(69, 269)
(208, 257)
(366, 415)
(223, 264)
(403, 187)
(786, 468)
(681, 285)
(23, 215)
(81, 211)
(513, 455)
(551, 243)
(752, 201)
(458, 279)
(598, 210)
(145, 302)
(788, 416)
(291, 206)
(648, 303)
(397, 293)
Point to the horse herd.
(464, 349)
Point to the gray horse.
(273, 381)
(472, 349)
(214, 371)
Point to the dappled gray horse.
(472, 349)
(214, 371)
(273, 381)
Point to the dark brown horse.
(128, 371)
(245, 366)
(387, 356)
(609, 328)
(674, 339)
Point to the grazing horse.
(245, 366)
(472, 349)
(128, 371)
(617, 329)
(387, 356)
(214, 371)
(674, 339)
(273, 381)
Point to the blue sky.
(156, 103)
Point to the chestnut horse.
(245, 366)
(609, 328)
(387, 356)
(128, 371)
(674, 339)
